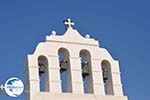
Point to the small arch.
(43, 73)
(65, 71)
(86, 71)
(107, 77)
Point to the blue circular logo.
(14, 87)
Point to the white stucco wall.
(74, 43)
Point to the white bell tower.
(72, 67)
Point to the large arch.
(65, 71)
(43, 73)
(87, 77)
(107, 77)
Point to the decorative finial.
(87, 36)
(53, 32)
(69, 23)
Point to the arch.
(87, 78)
(107, 77)
(65, 71)
(43, 73)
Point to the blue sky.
(121, 26)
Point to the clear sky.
(121, 26)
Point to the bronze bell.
(63, 66)
(41, 70)
(85, 69)
(105, 76)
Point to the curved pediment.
(71, 36)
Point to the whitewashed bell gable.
(74, 43)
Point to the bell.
(41, 70)
(63, 66)
(105, 79)
(85, 70)
(105, 76)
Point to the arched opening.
(65, 72)
(107, 77)
(43, 73)
(86, 71)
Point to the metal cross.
(1, 87)
(69, 23)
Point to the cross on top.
(69, 23)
